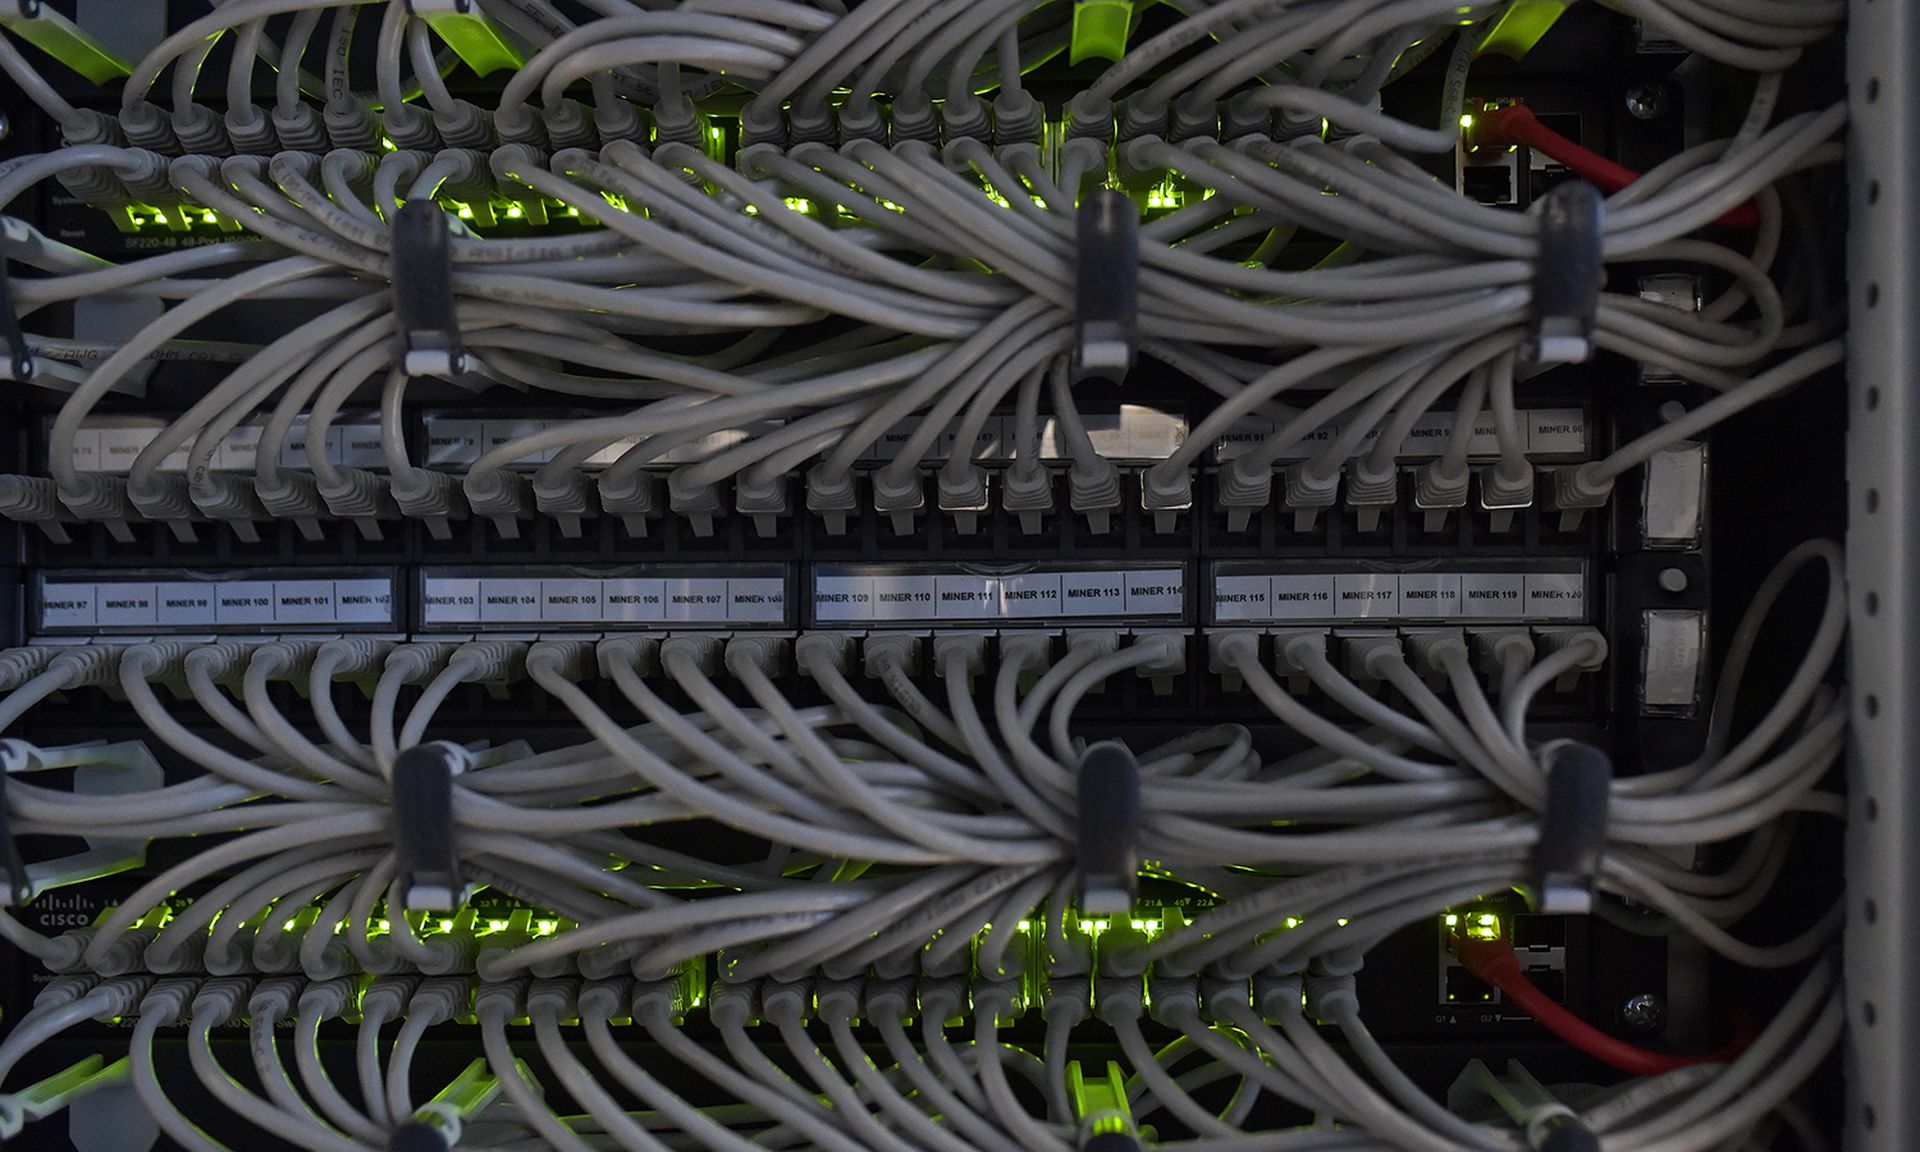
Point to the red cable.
(1512, 124)
(1494, 962)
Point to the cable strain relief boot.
(410, 128)
(89, 665)
(164, 498)
(811, 124)
(1503, 494)
(294, 496)
(1242, 488)
(1194, 118)
(962, 493)
(678, 121)
(569, 124)
(764, 498)
(300, 128)
(289, 162)
(350, 124)
(228, 497)
(500, 496)
(889, 654)
(1168, 662)
(1371, 490)
(965, 119)
(165, 1000)
(1295, 125)
(763, 123)
(1430, 651)
(1034, 651)
(1026, 490)
(32, 500)
(899, 494)
(18, 665)
(769, 654)
(832, 496)
(231, 957)
(1143, 115)
(1166, 492)
(568, 500)
(1307, 493)
(1090, 118)
(467, 125)
(146, 127)
(1242, 116)
(429, 495)
(1017, 119)
(618, 119)
(520, 124)
(1439, 490)
(861, 118)
(634, 497)
(358, 167)
(967, 650)
(913, 117)
(697, 501)
(251, 131)
(1591, 645)
(145, 176)
(514, 158)
(1575, 490)
(813, 651)
(1094, 491)
(102, 499)
(360, 496)
(200, 132)
(1134, 163)
(639, 653)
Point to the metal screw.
(1644, 1012)
(1647, 101)
(1673, 580)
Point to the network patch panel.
(895, 575)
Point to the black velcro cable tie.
(429, 866)
(19, 359)
(423, 292)
(413, 1136)
(1567, 275)
(1109, 828)
(13, 758)
(1106, 302)
(1573, 829)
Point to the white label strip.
(611, 602)
(1425, 595)
(198, 604)
(111, 444)
(960, 597)
(1548, 432)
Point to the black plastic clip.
(1568, 274)
(413, 1136)
(19, 360)
(1109, 828)
(423, 826)
(1573, 829)
(423, 292)
(1106, 303)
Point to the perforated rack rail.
(1883, 556)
